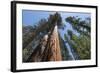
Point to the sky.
(32, 17)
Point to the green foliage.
(81, 44)
(25, 52)
(82, 26)
(85, 47)
(75, 38)
(65, 37)
(55, 19)
(70, 33)
(30, 32)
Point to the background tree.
(81, 43)
(81, 26)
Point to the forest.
(44, 41)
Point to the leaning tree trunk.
(52, 50)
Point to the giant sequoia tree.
(42, 27)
